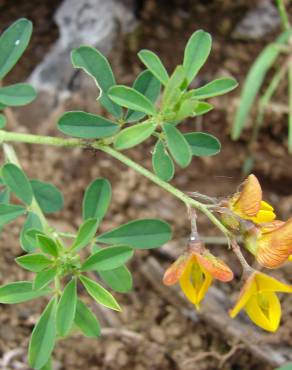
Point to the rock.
(258, 22)
(91, 22)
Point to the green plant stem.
(60, 142)
(283, 14)
(11, 157)
(290, 105)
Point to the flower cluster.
(269, 240)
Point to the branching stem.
(99, 145)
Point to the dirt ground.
(150, 333)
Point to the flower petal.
(263, 216)
(250, 197)
(175, 270)
(214, 266)
(268, 320)
(245, 294)
(267, 283)
(274, 248)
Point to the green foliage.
(16, 180)
(196, 53)
(19, 292)
(134, 135)
(66, 308)
(85, 234)
(44, 277)
(96, 199)
(48, 245)
(9, 213)
(99, 294)
(32, 222)
(48, 196)
(108, 258)
(202, 144)
(255, 79)
(86, 320)
(214, 88)
(13, 43)
(177, 145)
(2, 121)
(86, 126)
(119, 279)
(43, 337)
(17, 95)
(34, 262)
(140, 234)
(132, 99)
(162, 163)
(98, 67)
(154, 65)
(148, 85)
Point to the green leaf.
(2, 121)
(31, 236)
(173, 90)
(119, 279)
(202, 144)
(285, 367)
(140, 234)
(86, 320)
(32, 222)
(86, 125)
(196, 53)
(202, 108)
(254, 81)
(34, 262)
(214, 88)
(85, 234)
(48, 245)
(132, 99)
(13, 42)
(17, 95)
(43, 278)
(97, 66)
(154, 64)
(43, 337)
(134, 135)
(67, 308)
(48, 196)
(162, 163)
(108, 258)
(9, 212)
(148, 85)
(186, 109)
(96, 199)
(177, 145)
(48, 365)
(19, 292)
(4, 197)
(16, 180)
(99, 294)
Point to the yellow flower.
(260, 302)
(248, 203)
(195, 272)
(272, 243)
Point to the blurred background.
(157, 329)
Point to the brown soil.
(160, 337)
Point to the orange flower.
(195, 272)
(272, 243)
(248, 203)
(260, 302)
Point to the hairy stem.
(99, 145)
